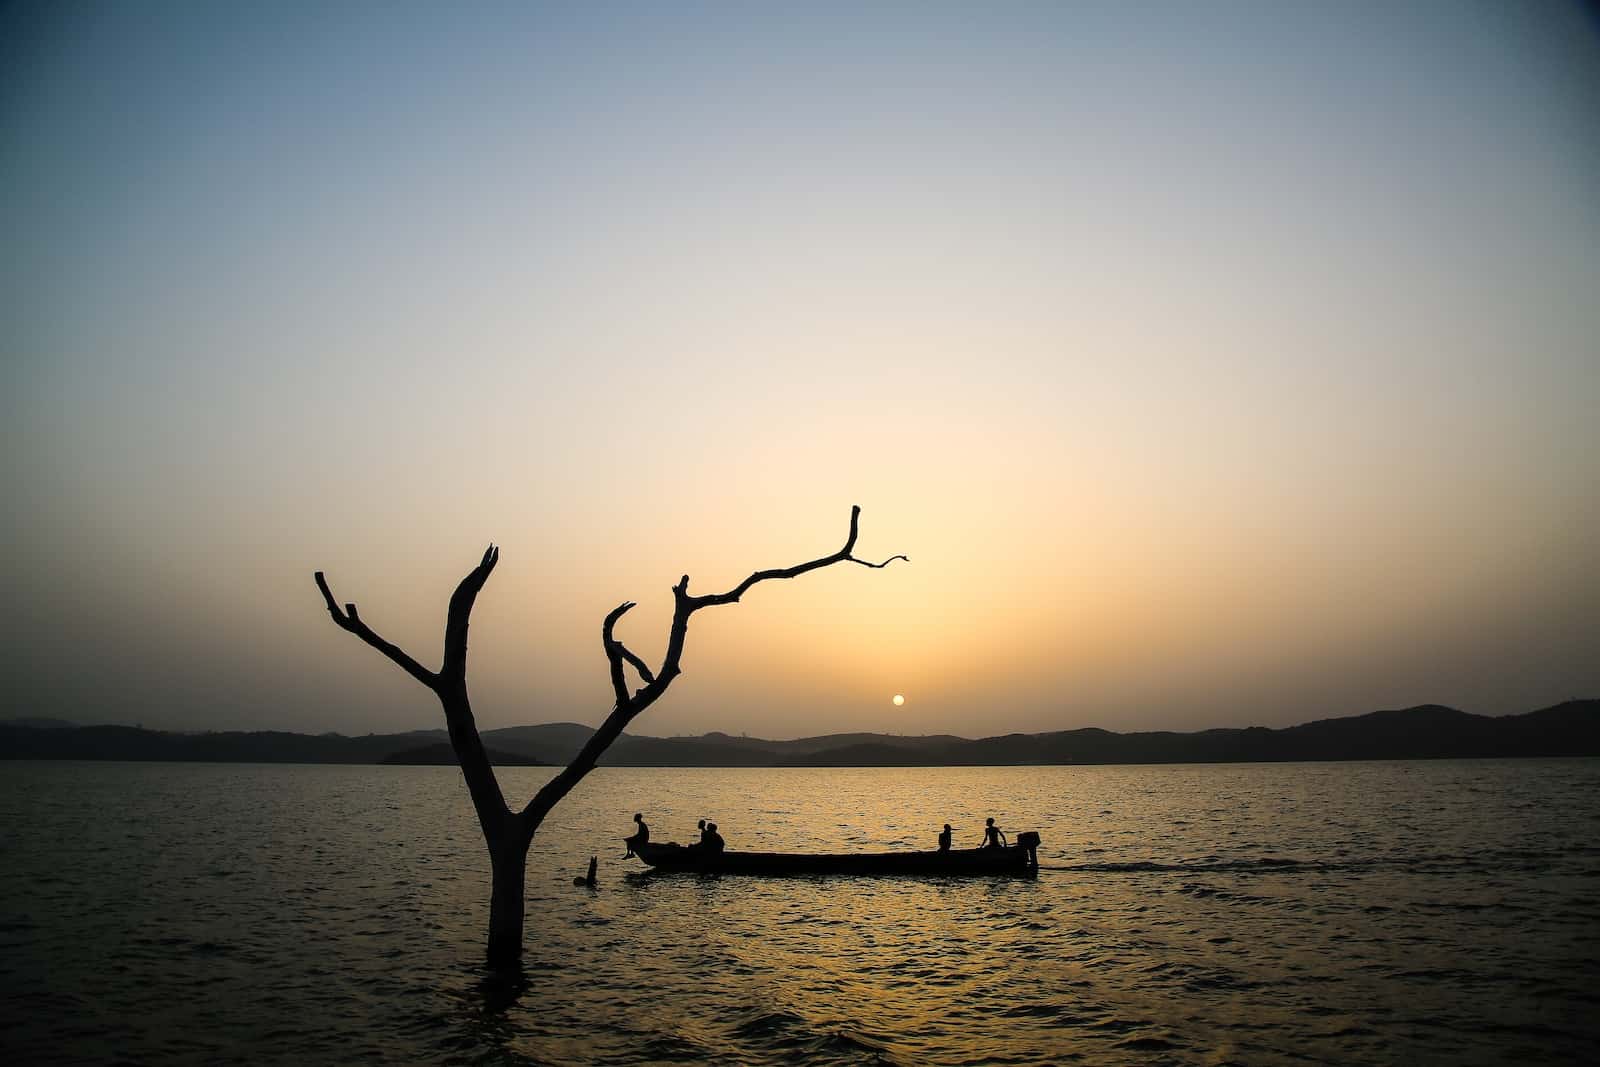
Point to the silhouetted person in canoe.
(992, 837)
(944, 839)
(712, 841)
(640, 837)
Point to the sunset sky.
(1215, 364)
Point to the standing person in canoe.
(992, 837)
(640, 836)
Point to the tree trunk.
(508, 860)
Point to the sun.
(898, 700)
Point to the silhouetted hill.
(558, 742)
(683, 752)
(133, 743)
(551, 742)
(866, 754)
(441, 754)
(1426, 732)
(832, 742)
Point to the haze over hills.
(1429, 731)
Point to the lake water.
(1441, 912)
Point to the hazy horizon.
(1214, 366)
(637, 732)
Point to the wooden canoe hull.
(1013, 861)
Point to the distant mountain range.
(1426, 732)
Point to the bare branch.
(618, 653)
(638, 664)
(573, 773)
(850, 542)
(455, 627)
(351, 621)
(619, 683)
(841, 556)
(879, 566)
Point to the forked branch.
(617, 653)
(449, 684)
(349, 620)
(628, 706)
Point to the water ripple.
(1440, 912)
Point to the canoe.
(1018, 859)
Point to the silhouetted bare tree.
(509, 833)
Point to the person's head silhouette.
(988, 822)
(947, 827)
(637, 817)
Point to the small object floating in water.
(1018, 859)
(594, 862)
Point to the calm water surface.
(1369, 912)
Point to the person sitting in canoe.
(640, 837)
(712, 841)
(944, 839)
(992, 837)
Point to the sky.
(1215, 365)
